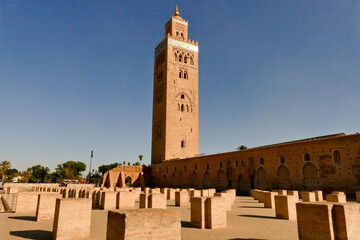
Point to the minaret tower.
(175, 126)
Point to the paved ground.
(247, 220)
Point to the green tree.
(39, 174)
(242, 147)
(136, 164)
(104, 168)
(4, 166)
(141, 157)
(68, 170)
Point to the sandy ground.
(247, 220)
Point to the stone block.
(147, 190)
(195, 193)
(72, 219)
(215, 212)
(228, 200)
(204, 192)
(164, 190)
(144, 224)
(108, 200)
(144, 200)
(336, 198)
(294, 193)
(231, 194)
(182, 199)
(346, 219)
(338, 192)
(26, 202)
(198, 212)
(269, 199)
(308, 197)
(12, 190)
(157, 200)
(285, 207)
(212, 192)
(314, 220)
(45, 209)
(125, 200)
(154, 190)
(318, 195)
(282, 192)
(170, 194)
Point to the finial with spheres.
(176, 13)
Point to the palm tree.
(4, 166)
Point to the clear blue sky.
(77, 76)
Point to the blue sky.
(76, 76)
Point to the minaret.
(175, 127)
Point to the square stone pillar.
(26, 202)
(108, 200)
(204, 192)
(144, 224)
(318, 195)
(125, 200)
(336, 198)
(346, 221)
(144, 200)
(315, 221)
(269, 199)
(215, 212)
(46, 206)
(170, 194)
(294, 193)
(182, 199)
(195, 193)
(157, 200)
(308, 197)
(282, 192)
(212, 192)
(227, 199)
(232, 195)
(285, 207)
(163, 190)
(147, 190)
(154, 190)
(198, 212)
(72, 219)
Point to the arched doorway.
(283, 177)
(194, 180)
(173, 180)
(128, 181)
(311, 179)
(221, 180)
(239, 183)
(165, 183)
(207, 180)
(261, 178)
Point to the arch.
(173, 180)
(128, 181)
(261, 178)
(194, 180)
(283, 177)
(311, 179)
(336, 156)
(182, 107)
(207, 180)
(240, 187)
(221, 180)
(165, 183)
(306, 157)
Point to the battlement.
(189, 41)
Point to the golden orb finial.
(176, 13)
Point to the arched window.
(182, 96)
(262, 161)
(177, 33)
(175, 169)
(182, 35)
(242, 163)
(185, 59)
(282, 159)
(221, 164)
(182, 144)
(184, 169)
(307, 157)
(185, 75)
(207, 166)
(182, 107)
(237, 163)
(336, 156)
(180, 58)
(180, 74)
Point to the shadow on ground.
(257, 216)
(33, 234)
(26, 218)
